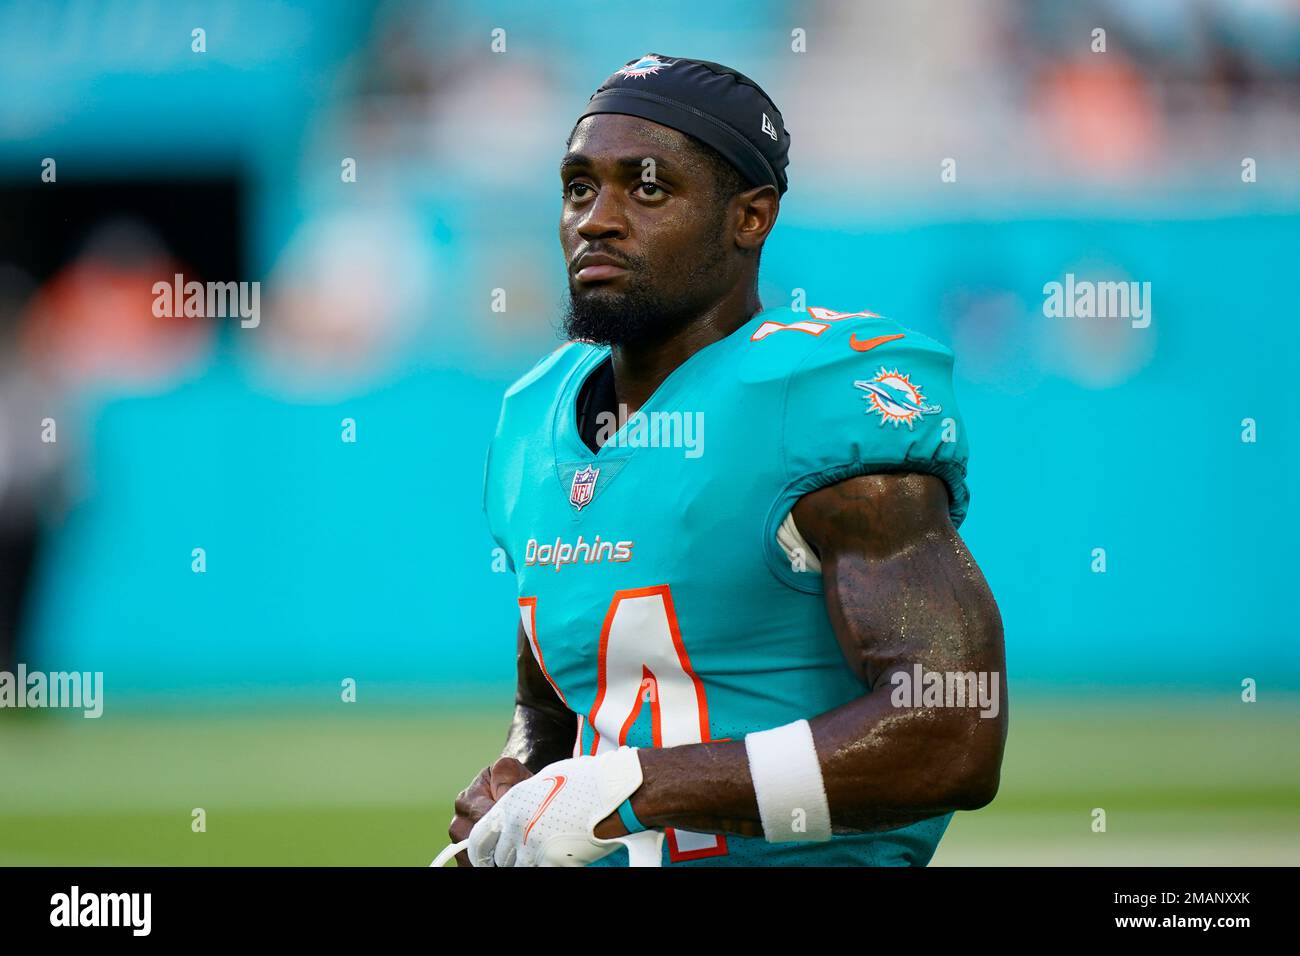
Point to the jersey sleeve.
(869, 397)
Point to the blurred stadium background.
(328, 560)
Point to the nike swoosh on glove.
(549, 819)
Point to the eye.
(651, 190)
(577, 191)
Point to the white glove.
(549, 819)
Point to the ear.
(757, 211)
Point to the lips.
(597, 268)
(598, 273)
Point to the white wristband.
(788, 784)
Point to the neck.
(639, 370)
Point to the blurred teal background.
(370, 560)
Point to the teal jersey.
(664, 592)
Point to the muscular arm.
(543, 729)
(901, 589)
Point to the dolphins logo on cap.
(646, 66)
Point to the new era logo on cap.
(768, 128)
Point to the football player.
(749, 631)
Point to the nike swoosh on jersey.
(866, 345)
(559, 784)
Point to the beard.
(640, 313)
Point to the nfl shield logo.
(584, 486)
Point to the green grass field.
(1182, 780)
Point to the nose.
(603, 217)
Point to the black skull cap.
(717, 105)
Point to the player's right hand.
(479, 797)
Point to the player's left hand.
(550, 819)
(477, 799)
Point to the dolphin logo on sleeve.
(893, 396)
